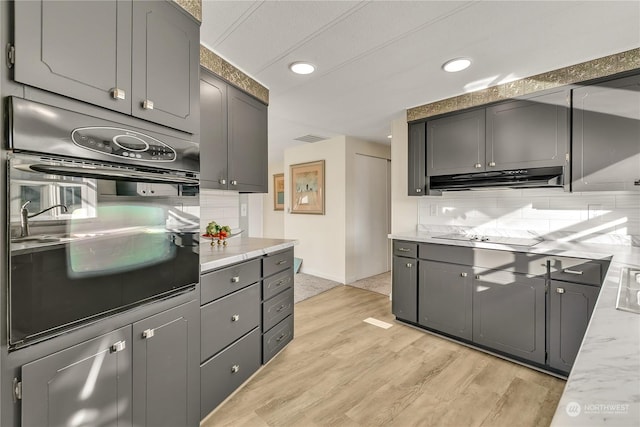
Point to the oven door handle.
(100, 172)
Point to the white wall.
(273, 221)
(321, 237)
(404, 209)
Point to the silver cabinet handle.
(477, 165)
(280, 308)
(560, 290)
(235, 279)
(118, 93)
(418, 190)
(492, 164)
(636, 182)
(409, 265)
(280, 337)
(463, 274)
(234, 182)
(404, 250)
(235, 317)
(576, 272)
(222, 181)
(282, 261)
(278, 284)
(235, 368)
(478, 276)
(148, 334)
(147, 104)
(116, 347)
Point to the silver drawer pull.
(477, 165)
(560, 290)
(147, 104)
(282, 261)
(234, 182)
(235, 279)
(235, 317)
(280, 337)
(404, 250)
(280, 308)
(116, 347)
(118, 93)
(235, 368)
(492, 164)
(148, 334)
(277, 284)
(409, 265)
(222, 181)
(463, 274)
(418, 190)
(579, 273)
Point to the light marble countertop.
(603, 387)
(238, 250)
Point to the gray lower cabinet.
(404, 288)
(509, 313)
(166, 368)
(233, 137)
(137, 58)
(445, 293)
(89, 382)
(570, 309)
(606, 135)
(416, 183)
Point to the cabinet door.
(445, 293)
(404, 292)
(606, 136)
(570, 309)
(166, 368)
(213, 132)
(528, 133)
(78, 49)
(417, 145)
(456, 144)
(90, 382)
(509, 313)
(165, 66)
(247, 143)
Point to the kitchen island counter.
(238, 250)
(603, 387)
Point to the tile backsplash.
(606, 217)
(220, 206)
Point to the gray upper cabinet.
(509, 313)
(532, 132)
(166, 368)
(455, 144)
(79, 49)
(233, 138)
(139, 58)
(416, 183)
(213, 132)
(606, 136)
(165, 65)
(570, 308)
(247, 143)
(445, 298)
(95, 375)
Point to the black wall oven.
(101, 219)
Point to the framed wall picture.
(278, 192)
(307, 188)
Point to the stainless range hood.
(517, 178)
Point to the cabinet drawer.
(224, 281)
(225, 372)
(405, 249)
(447, 253)
(576, 270)
(277, 283)
(276, 262)
(227, 319)
(277, 338)
(276, 309)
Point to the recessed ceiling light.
(455, 65)
(302, 68)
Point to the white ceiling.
(375, 59)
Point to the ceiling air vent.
(310, 138)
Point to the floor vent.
(378, 323)
(310, 138)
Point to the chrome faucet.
(25, 215)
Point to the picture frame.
(278, 192)
(307, 188)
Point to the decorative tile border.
(219, 66)
(602, 67)
(194, 7)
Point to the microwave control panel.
(123, 143)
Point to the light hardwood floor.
(341, 371)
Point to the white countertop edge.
(249, 254)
